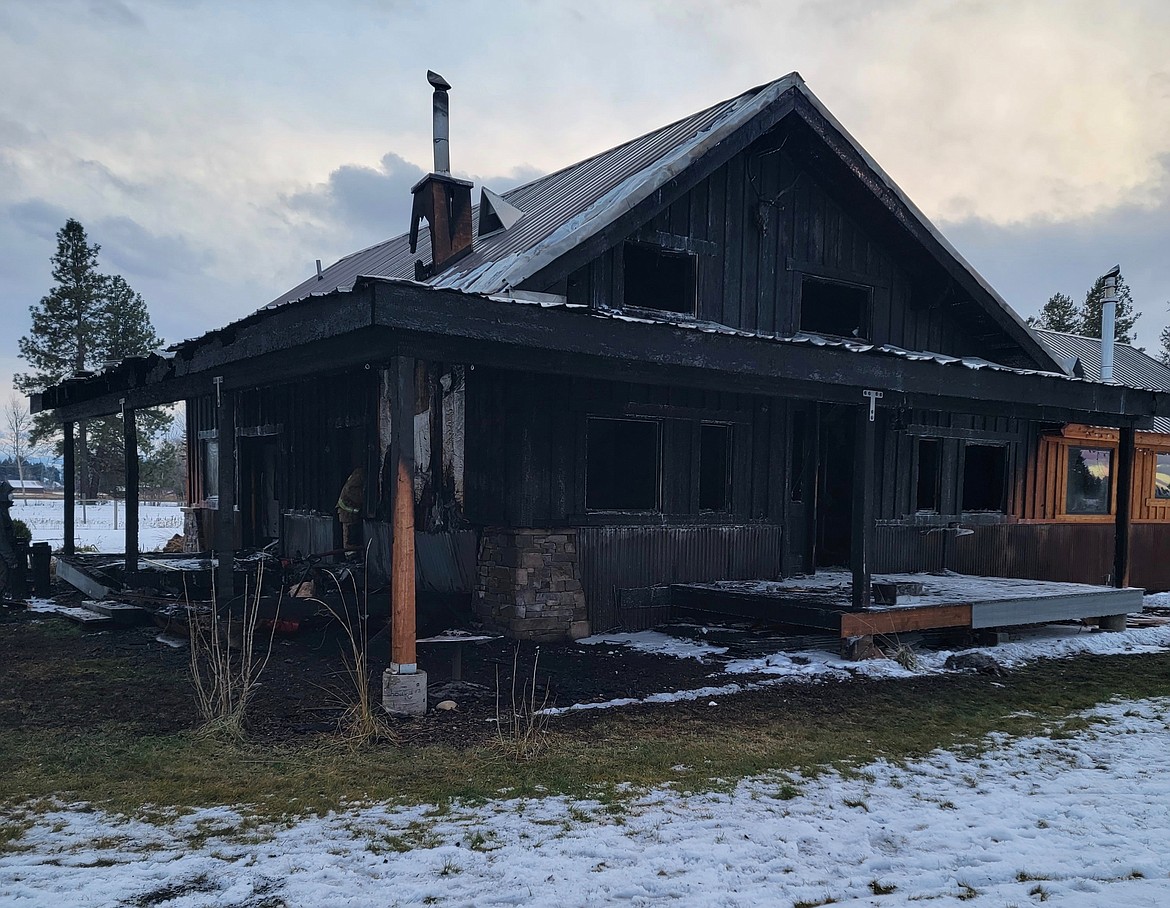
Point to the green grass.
(777, 731)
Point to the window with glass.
(210, 468)
(1090, 481)
(1162, 475)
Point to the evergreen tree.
(1059, 314)
(1090, 312)
(1164, 345)
(86, 320)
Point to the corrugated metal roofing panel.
(559, 207)
(1131, 366)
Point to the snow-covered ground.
(1079, 821)
(1028, 644)
(157, 523)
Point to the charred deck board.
(700, 599)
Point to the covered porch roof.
(380, 318)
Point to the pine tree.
(86, 320)
(1059, 314)
(1090, 312)
(1164, 345)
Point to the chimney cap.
(1113, 272)
(437, 81)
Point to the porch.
(923, 602)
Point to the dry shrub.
(225, 665)
(524, 732)
(363, 723)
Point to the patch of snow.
(1079, 822)
(658, 643)
(95, 523)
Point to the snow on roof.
(563, 209)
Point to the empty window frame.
(800, 455)
(1089, 488)
(622, 458)
(984, 477)
(832, 307)
(657, 278)
(928, 482)
(1162, 475)
(714, 467)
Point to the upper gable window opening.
(657, 278)
(834, 307)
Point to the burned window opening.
(984, 477)
(714, 467)
(657, 278)
(622, 459)
(831, 307)
(800, 441)
(928, 485)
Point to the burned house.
(729, 349)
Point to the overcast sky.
(216, 149)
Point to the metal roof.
(560, 209)
(567, 207)
(1131, 366)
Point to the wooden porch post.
(69, 479)
(403, 659)
(1121, 525)
(225, 516)
(862, 541)
(130, 438)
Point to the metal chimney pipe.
(1108, 318)
(441, 121)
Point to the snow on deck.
(1078, 822)
(943, 588)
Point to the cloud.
(1029, 262)
(370, 204)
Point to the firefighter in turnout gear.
(350, 505)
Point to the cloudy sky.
(216, 149)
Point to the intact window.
(210, 468)
(714, 467)
(621, 464)
(927, 485)
(830, 307)
(1162, 475)
(984, 475)
(657, 278)
(1090, 481)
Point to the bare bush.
(362, 723)
(225, 664)
(524, 732)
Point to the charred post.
(130, 438)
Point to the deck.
(822, 601)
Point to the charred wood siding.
(326, 426)
(616, 559)
(526, 449)
(770, 217)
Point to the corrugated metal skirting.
(617, 558)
